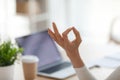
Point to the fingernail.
(73, 27)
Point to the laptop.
(51, 63)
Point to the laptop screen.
(41, 45)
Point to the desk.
(87, 53)
(99, 73)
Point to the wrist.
(77, 62)
(75, 59)
(72, 53)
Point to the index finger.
(77, 35)
(65, 33)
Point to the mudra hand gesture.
(71, 47)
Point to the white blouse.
(84, 74)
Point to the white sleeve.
(115, 75)
(84, 74)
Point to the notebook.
(51, 63)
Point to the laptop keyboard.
(56, 68)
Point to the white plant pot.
(7, 72)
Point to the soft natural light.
(93, 18)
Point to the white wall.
(58, 13)
(10, 24)
(93, 17)
(2, 15)
(7, 11)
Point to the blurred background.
(98, 21)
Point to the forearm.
(75, 59)
(81, 70)
(77, 62)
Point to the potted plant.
(8, 55)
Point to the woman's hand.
(71, 47)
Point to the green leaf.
(8, 53)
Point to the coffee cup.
(30, 66)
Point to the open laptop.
(51, 63)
